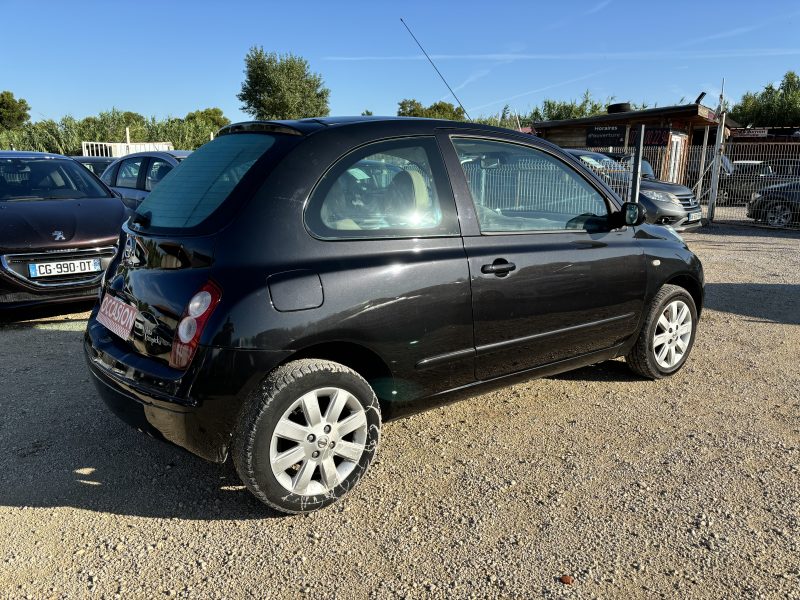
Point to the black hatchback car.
(58, 229)
(292, 284)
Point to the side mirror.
(490, 163)
(634, 212)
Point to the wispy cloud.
(541, 89)
(597, 7)
(471, 78)
(644, 55)
(736, 31)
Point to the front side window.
(518, 188)
(387, 189)
(129, 172)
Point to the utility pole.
(712, 200)
(636, 175)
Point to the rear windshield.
(32, 179)
(190, 193)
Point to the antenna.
(435, 69)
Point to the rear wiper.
(142, 219)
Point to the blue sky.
(168, 58)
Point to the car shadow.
(743, 229)
(44, 311)
(60, 446)
(610, 370)
(775, 302)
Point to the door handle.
(500, 267)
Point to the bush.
(65, 136)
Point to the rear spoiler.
(260, 127)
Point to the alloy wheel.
(672, 334)
(779, 215)
(318, 441)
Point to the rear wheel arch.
(360, 359)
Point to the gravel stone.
(687, 487)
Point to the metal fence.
(533, 185)
(759, 183)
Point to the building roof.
(696, 113)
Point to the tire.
(778, 214)
(297, 458)
(656, 358)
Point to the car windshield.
(600, 162)
(31, 179)
(754, 168)
(647, 168)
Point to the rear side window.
(191, 192)
(385, 189)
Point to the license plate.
(695, 216)
(64, 267)
(117, 316)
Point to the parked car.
(725, 172)
(666, 203)
(59, 226)
(776, 205)
(96, 164)
(266, 305)
(788, 168)
(134, 176)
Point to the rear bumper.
(197, 410)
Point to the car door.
(384, 214)
(550, 279)
(129, 180)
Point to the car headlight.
(660, 196)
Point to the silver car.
(133, 176)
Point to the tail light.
(191, 325)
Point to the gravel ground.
(688, 487)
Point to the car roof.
(29, 154)
(94, 158)
(312, 125)
(579, 152)
(157, 154)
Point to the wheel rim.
(318, 441)
(672, 335)
(779, 215)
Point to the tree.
(281, 87)
(556, 110)
(437, 110)
(212, 117)
(13, 113)
(366, 113)
(771, 107)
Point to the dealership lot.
(686, 487)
